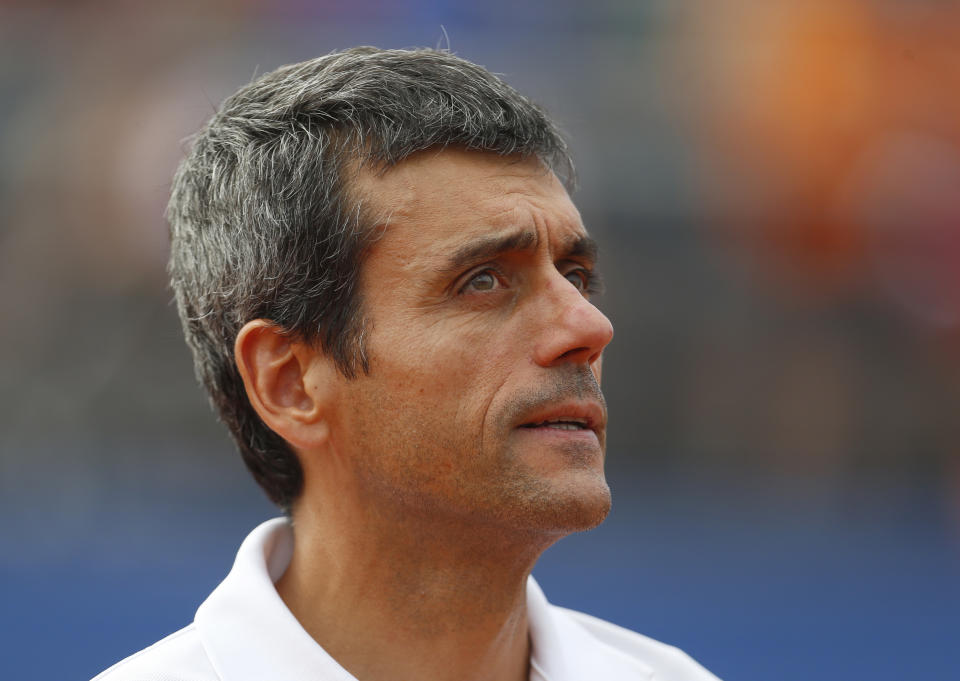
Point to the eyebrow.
(582, 247)
(486, 248)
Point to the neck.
(425, 599)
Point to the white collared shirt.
(244, 632)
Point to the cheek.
(597, 368)
(448, 372)
(462, 382)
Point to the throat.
(434, 625)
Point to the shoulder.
(178, 657)
(668, 662)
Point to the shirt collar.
(561, 650)
(250, 635)
(245, 627)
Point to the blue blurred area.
(760, 588)
(755, 588)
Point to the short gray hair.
(263, 224)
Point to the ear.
(289, 383)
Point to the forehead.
(435, 200)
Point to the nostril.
(571, 354)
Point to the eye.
(484, 280)
(580, 278)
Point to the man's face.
(482, 403)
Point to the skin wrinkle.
(489, 248)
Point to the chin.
(574, 507)
(584, 512)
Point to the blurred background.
(776, 189)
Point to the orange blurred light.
(803, 97)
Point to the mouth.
(560, 424)
(574, 416)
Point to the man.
(386, 289)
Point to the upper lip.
(591, 413)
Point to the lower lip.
(583, 435)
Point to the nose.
(574, 330)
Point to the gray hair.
(263, 225)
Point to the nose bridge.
(575, 329)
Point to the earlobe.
(283, 382)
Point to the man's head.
(297, 180)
